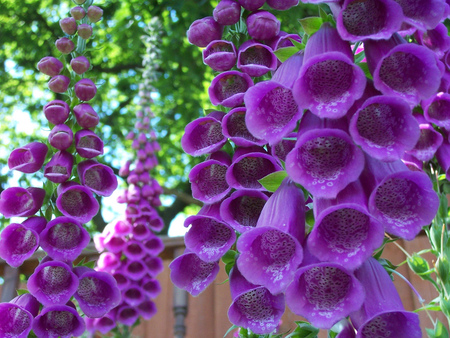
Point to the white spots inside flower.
(212, 237)
(256, 306)
(14, 322)
(324, 158)
(89, 142)
(230, 85)
(211, 180)
(21, 242)
(250, 169)
(326, 288)
(398, 200)
(256, 55)
(97, 178)
(365, 17)
(329, 81)
(76, 202)
(390, 325)
(200, 273)
(60, 323)
(344, 231)
(94, 291)
(54, 282)
(245, 210)
(206, 134)
(237, 128)
(64, 236)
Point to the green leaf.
(228, 267)
(323, 15)
(311, 25)
(89, 264)
(428, 307)
(229, 257)
(365, 68)
(359, 57)
(297, 44)
(285, 53)
(48, 213)
(439, 331)
(304, 330)
(22, 292)
(234, 327)
(419, 265)
(273, 181)
(332, 334)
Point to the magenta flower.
(437, 110)
(17, 316)
(203, 31)
(50, 66)
(423, 14)
(235, 128)
(429, 141)
(98, 177)
(80, 64)
(256, 59)
(133, 295)
(29, 158)
(220, 55)
(262, 25)
(227, 12)
(56, 111)
(65, 45)
(228, 88)
(436, 39)
(251, 5)
(104, 324)
(85, 89)
(150, 286)
(21, 202)
(88, 144)
(59, 83)
(17, 243)
(58, 321)
(282, 5)
(86, 116)
(76, 201)
(59, 168)
(60, 137)
(127, 315)
(147, 309)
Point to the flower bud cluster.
(67, 198)
(355, 141)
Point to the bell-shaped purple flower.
(402, 69)
(127, 315)
(382, 313)
(21, 202)
(15, 321)
(220, 55)
(282, 5)
(88, 144)
(403, 200)
(423, 14)
(253, 306)
(249, 166)
(262, 25)
(147, 309)
(97, 292)
(251, 5)
(443, 157)
(58, 321)
(324, 161)
(17, 243)
(80, 64)
(324, 293)
(428, 143)
(59, 168)
(133, 295)
(227, 12)
(202, 31)
(114, 243)
(228, 88)
(56, 111)
(98, 177)
(37, 223)
(134, 269)
(60, 137)
(154, 265)
(86, 116)
(208, 181)
(59, 84)
(329, 81)
(344, 231)
(153, 245)
(368, 19)
(94, 13)
(53, 283)
(121, 279)
(151, 287)
(27, 302)
(235, 128)
(284, 147)
(64, 45)
(50, 66)
(384, 127)
(106, 323)
(76, 201)
(108, 261)
(134, 250)
(209, 237)
(85, 89)
(256, 59)
(190, 273)
(64, 239)
(29, 158)
(68, 25)
(204, 135)
(437, 110)
(242, 209)
(436, 39)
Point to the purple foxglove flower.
(208, 181)
(88, 144)
(56, 111)
(134, 270)
(122, 227)
(436, 39)
(58, 321)
(283, 40)
(65, 45)
(368, 19)
(204, 135)
(412, 163)
(324, 161)
(437, 110)
(443, 156)
(60, 137)
(50, 66)
(154, 265)
(114, 243)
(251, 5)
(384, 127)
(133, 193)
(256, 59)
(17, 243)
(344, 231)
(190, 273)
(84, 31)
(282, 5)
(133, 295)
(248, 168)
(97, 292)
(35, 223)
(94, 13)
(202, 31)
(329, 82)
(76, 201)
(402, 69)
(423, 14)
(121, 279)
(151, 287)
(284, 147)
(253, 306)
(227, 12)
(59, 84)
(86, 116)
(147, 309)
(228, 88)
(140, 230)
(262, 25)
(108, 261)
(98, 177)
(85, 89)
(15, 321)
(77, 12)
(324, 293)
(80, 64)
(53, 283)
(64, 239)
(106, 323)
(235, 128)
(29, 158)
(68, 25)
(220, 55)
(125, 169)
(59, 168)
(209, 238)
(382, 312)
(429, 141)
(27, 302)
(134, 250)
(399, 198)
(21, 202)
(127, 315)
(242, 209)
(153, 245)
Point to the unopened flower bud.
(59, 83)
(68, 25)
(78, 12)
(86, 116)
(227, 12)
(203, 31)
(85, 89)
(79, 2)
(60, 137)
(80, 64)
(65, 45)
(85, 31)
(56, 111)
(262, 25)
(129, 136)
(94, 13)
(50, 66)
